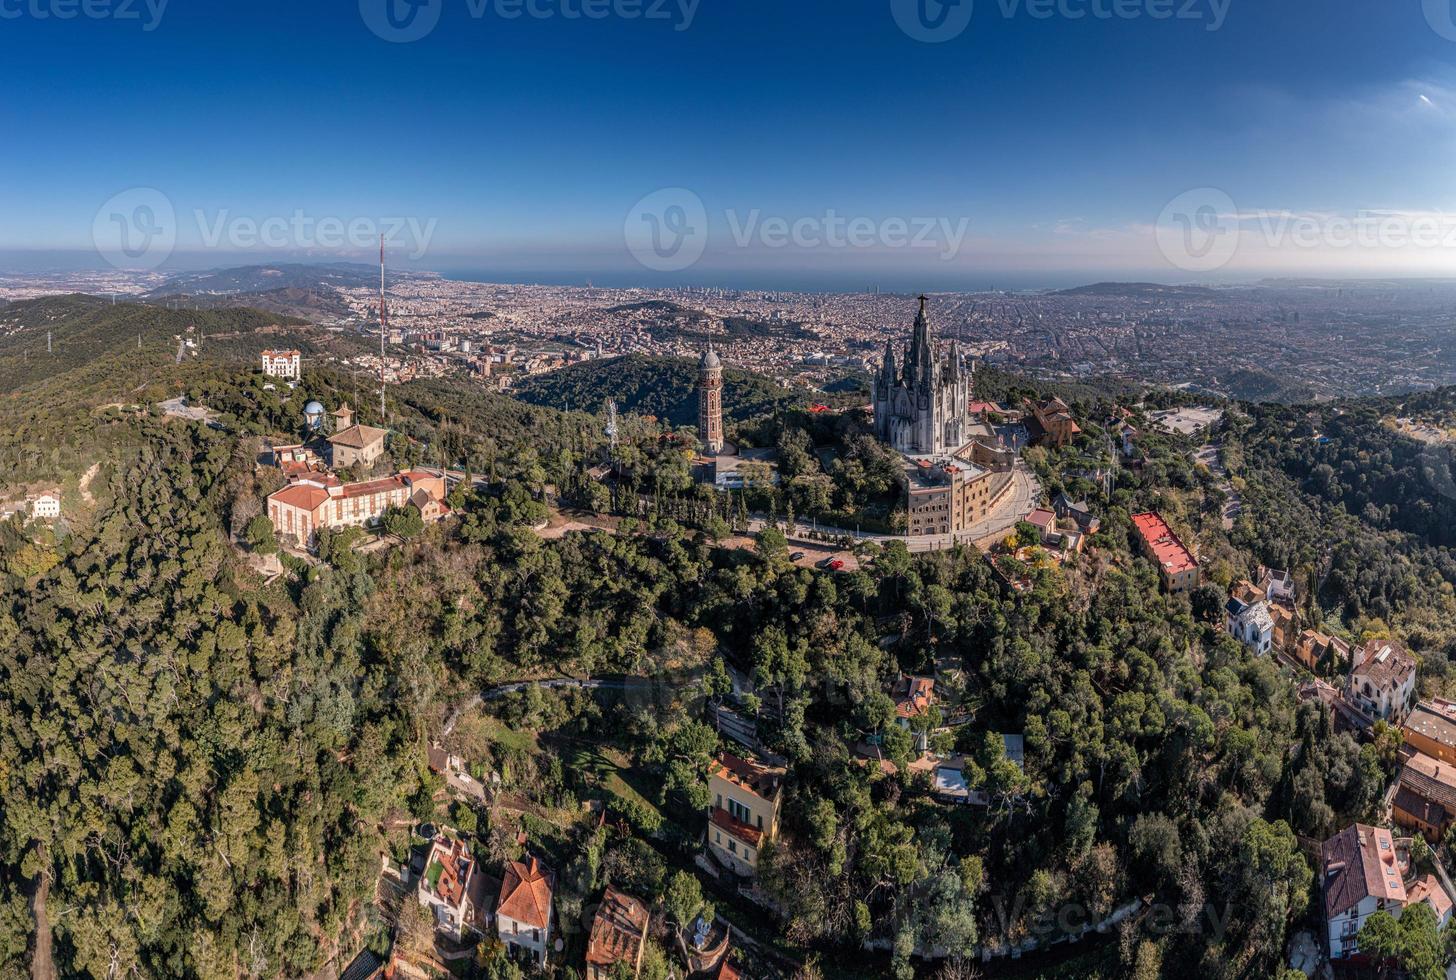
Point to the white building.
(283, 364)
(46, 506)
(1360, 876)
(523, 913)
(1382, 681)
(1250, 623)
(453, 888)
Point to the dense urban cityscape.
(1279, 339)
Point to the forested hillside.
(204, 769)
(664, 387)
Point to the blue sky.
(523, 144)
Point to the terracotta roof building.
(1430, 728)
(523, 912)
(1177, 565)
(453, 889)
(1382, 683)
(354, 443)
(1360, 875)
(747, 797)
(315, 501)
(618, 935)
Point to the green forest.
(203, 767)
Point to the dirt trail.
(42, 966)
(85, 485)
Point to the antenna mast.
(383, 326)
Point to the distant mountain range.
(272, 278)
(292, 289)
(1140, 290)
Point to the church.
(920, 409)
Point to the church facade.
(921, 406)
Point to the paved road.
(1210, 455)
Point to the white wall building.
(1250, 624)
(1360, 876)
(523, 912)
(283, 364)
(45, 506)
(1382, 681)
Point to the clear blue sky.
(528, 141)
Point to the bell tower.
(710, 402)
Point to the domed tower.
(710, 402)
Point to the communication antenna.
(612, 423)
(383, 326)
(48, 341)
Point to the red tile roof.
(1167, 549)
(301, 495)
(914, 696)
(455, 868)
(757, 778)
(385, 485)
(525, 895)
(1360, 861)
(617, 930)
(744, 832)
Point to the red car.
(836, 565)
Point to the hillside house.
(1177, 565)
(523, 913)
(1382, 683)
(618, 935)
(454, 889)
(747, 798)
